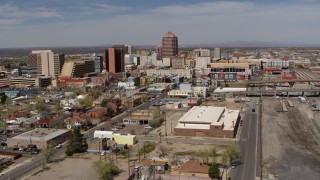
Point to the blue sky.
(30, 23)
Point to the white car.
(147, 127)
(103, 153)
(59, 146)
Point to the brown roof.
(194, 167)
(147, 162)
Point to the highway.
(248, 144)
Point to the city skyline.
(80, 23)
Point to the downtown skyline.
(81, 23)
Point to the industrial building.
(208, 121)
(41, 137)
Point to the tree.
(204, 155)
(214, 171)
(57, 107)
(137, 81)
(154, 123)
(95, 93)
(105, 169)
(48, 152)
(8, 101)
(76, 142)
(232, 152)
(104, 103)
(85, 103)
(213, 153)
(3, 99)
(163, 151)
(41, 107)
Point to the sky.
(37, 23)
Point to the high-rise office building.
(47, 62)
(169, 46)
(115, 59)
(217, 53)
(98, 62)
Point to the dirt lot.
(290, 142)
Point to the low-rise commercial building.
(127, 139)
(208, 121)
(187, 73)
(97, 144)
(41, 137)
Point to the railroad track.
(300, 131)
(306, 75)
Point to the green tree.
(154, 123)
(214, 171)
(48, 152)
(137, 81)
(41, 107)
(95, 93)
(3, 99)
(57, 107)
(213, 153)
(232, 152)
(76, 143)
(8, 101)
(204, 155)
(104, 103)
(105, 169)
(85, 103)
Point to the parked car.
(147, 126)
(22, 149)
(59, 146)
(103, 153)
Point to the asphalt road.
(24, 169)
(248, 145)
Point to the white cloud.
(198, 23)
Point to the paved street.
(28, 166)
(248, 144)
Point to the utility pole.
(160, 136)
(139, 152)
(165, 121)
(129, 162)
(144, 154)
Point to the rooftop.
(202, 117)
(43, 134)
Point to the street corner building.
(41, 137)
(208, 121)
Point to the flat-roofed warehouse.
(41, 137)
(208, 121)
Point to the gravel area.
(283, 157)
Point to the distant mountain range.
(24, 51)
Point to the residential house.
(194, 168)
(42, 123)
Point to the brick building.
(208, 121)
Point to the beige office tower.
(47, 62)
